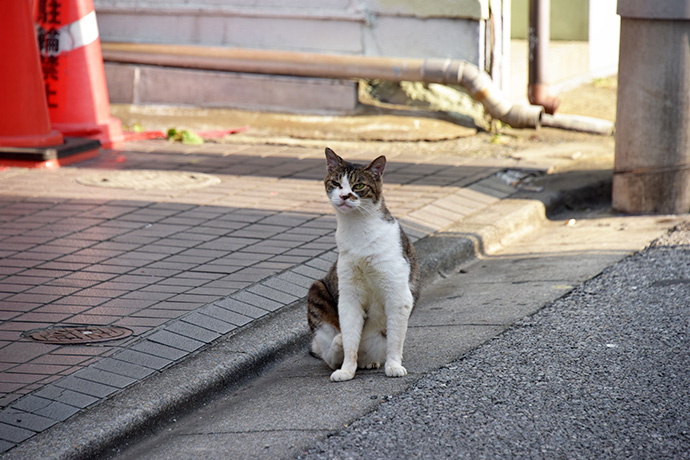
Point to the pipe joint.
(524, 116)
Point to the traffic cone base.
(109, 134)
(73, 150)
(32, 140)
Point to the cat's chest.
(369, 241)
(371, 257)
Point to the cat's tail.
(322, 316)
(322, 307)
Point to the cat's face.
(354, 188)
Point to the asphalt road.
(603, 372)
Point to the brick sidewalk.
(181, 267)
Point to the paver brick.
(162, 312)
(58, 411)
(257, 301)
(228, 315)
(20, 378)
(191, 331)
(66, 396)
(14, 434)
(310, 272)
(286, 286)
(210, 291)
(26, 420)
(166, 337)
(87, 387)
(296, 278)
(143, 359)
(32, 403)
(270, 293)
(207, 322)
(159, 350)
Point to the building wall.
(404, 28)
(569, 19)
(592, 22)
(476, 31)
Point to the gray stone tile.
(6, 445)
(285, 286)
(128, 369)
(31, 403)
(14, 434)
(241, 308)
(157, 349)
(310, 272)
(174, 340)
(296, 278)
(86, 387)
(26, 420)
(271, 293)
(212, 324)
(321, 264)
(193, 332)
(226, 315)
(58, 411)
(257, 301)
(142, 359)
(66, 396)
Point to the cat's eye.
(358, 187)
(334, 184)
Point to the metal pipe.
(539, 34)
(445, 71)
(579, 123)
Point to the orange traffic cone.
(24, 120)
(26, 138)
(73, 71)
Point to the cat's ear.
(333, 160)
(377, 166)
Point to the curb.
(244, 355)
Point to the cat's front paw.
(395, 370)
(342, 375)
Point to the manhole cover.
(73, 335)
(149, 180)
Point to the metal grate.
(77, 335)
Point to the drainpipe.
(539, 34)
(445, 71)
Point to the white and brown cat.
(358, 313)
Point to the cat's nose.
(347, 196)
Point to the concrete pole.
(652, 162)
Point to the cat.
(358, 313)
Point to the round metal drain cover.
(77, 335)
(149, 180)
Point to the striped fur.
(358, 313)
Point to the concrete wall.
(604, 36)
(405, 28)
(472, 30)
(569, 19)
(592, 22)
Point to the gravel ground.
(603, 372)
